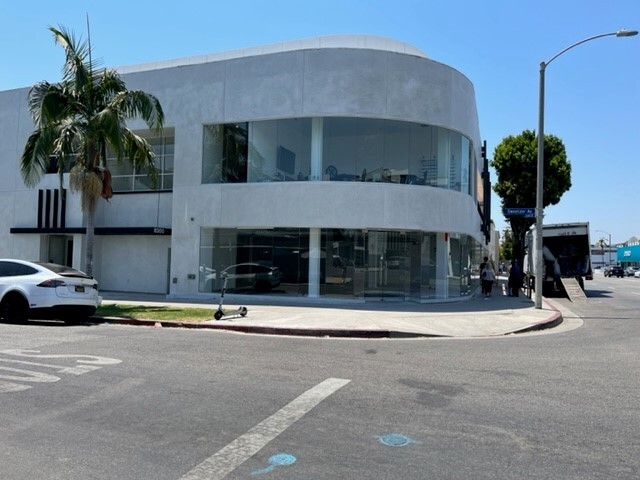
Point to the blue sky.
(592, 91)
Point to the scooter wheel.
(243, 311)
(217, 315)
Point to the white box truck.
(566, 251)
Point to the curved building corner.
(346, 167)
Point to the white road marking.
(87, 359)
(7, 387)
(83, 364)
(77, 370)
(220, 464)
(27, 375)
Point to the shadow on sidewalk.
(499, 300)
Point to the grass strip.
(151, 312)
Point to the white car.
(637, 274)
(45, 290)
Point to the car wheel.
(14, 308)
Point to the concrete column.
(442, 265)
(314, 262)
(317, 128)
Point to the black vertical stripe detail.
(47, 211)
(40, 206)
(55, 208)
(63, 209)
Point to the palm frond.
(76, 55)
(32, 163)
(136, 103)
(141, 155)
(47, 103)
(111, 84)
(113, 128)
(70, 137)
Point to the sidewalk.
(474, 317)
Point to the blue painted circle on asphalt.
(395, 440)
(282, 459)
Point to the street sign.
(519, 212)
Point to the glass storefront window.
(354, 264)
(255, 260)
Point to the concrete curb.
(264, 330)
(554, 320)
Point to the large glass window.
(267, 151)
(353, 264)
(371, 150)
(225, 152)
(125, 178)
(353, 150)
(280, 150)
(273, 261)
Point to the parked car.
(247, 275)
(637, 274)
(252, 275)
(629, 271)
(40, 290)
(614, 271)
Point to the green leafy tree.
(506, 246)
(515, 161)
(77, 119)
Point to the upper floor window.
(125, 178)
(225, 152)
(337, 149)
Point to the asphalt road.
(122, 402)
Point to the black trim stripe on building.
(52, 205)
(98, 231)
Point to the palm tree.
(77, 119)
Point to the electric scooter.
(221, 312)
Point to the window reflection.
(280, 150)
(353, 150)
(225, 155)
(126, 178)
(354, 264)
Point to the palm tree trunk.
(90, 226)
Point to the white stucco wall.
(132, 263)
(350, 76)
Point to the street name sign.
(519, 212)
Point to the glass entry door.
(388, 270)
(60, 250)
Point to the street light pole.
(538, 267)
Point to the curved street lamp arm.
(618, 33)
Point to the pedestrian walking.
(482, 267)
(488, 277)
(515, 279)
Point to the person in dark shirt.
(515, 279)
(482, 267)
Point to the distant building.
(343, 167)
(629, 254)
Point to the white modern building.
(343, 167)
